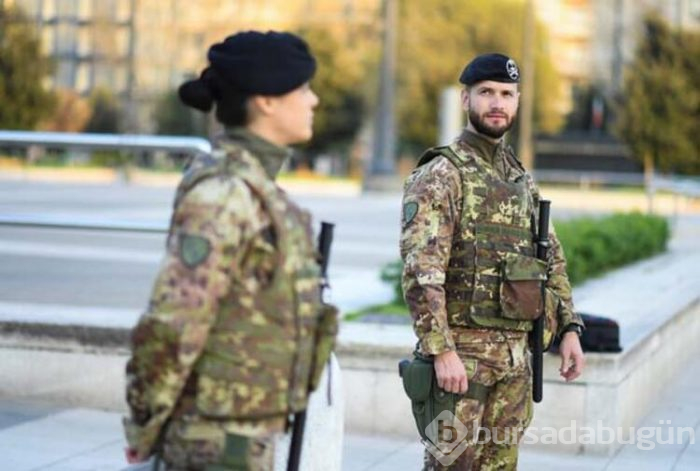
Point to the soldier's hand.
(133, 456)
(572, 359)
(450, 373)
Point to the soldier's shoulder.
(439, 175)
(214, 187)
(438, 167)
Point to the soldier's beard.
(494, 132)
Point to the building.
(593, 40)
(139, 49)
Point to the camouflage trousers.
(498, 408)
(198, 445)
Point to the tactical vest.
(493, 279)
(258, 356)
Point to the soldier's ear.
(262, 105)
(465, 98)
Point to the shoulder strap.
(266, 195)
(446, 151)
(433, 152)
(510, 155)
(200, 168)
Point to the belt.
(466, 335)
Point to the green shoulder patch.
(409, 211)
(193, 249)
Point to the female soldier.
(223, 355)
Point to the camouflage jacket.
(204, 314)
(432, 207)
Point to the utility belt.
(468, 335)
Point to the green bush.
(592, 245)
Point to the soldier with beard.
(468, 215)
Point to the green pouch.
(522, 281)
(428, 400)
(234, 456)
(326, 333)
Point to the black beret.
(496, 67)
(258, 63)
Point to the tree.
(174, 118)
(23, 69)
(659, 113)
(106, 113)
(438, 38)
(345, 59)
(71, 113)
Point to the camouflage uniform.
(223, 354)
(463, 218)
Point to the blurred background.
(609, 122)
(607, 84)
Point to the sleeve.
(207, 232)
(558, 283)
(557, 279)
(429, 215)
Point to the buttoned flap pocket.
(522, 279)
(418, 377)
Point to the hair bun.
(197, 94)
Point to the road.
(47, 268)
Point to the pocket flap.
(418, 379)
(518, 267)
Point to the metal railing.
(86, 141)
(132, 142)
(194, 145)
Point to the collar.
(486, 148)
(269, 155)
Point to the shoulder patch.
(193, 250)
(409, 211)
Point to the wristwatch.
(572, 328)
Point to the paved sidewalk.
(40, 437)
(35, 437)
(680, 405)
(43, 437)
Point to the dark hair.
(209, 89)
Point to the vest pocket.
(521, 287)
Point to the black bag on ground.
(600, 335)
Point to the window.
(694, 9)
(84, 42)
(48, 10)
(82, 78)
(123, 10)
(48, 38)
(84, 9)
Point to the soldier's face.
(491, 107)
(289, 118)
